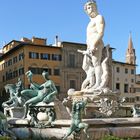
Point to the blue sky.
(67, 19)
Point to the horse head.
(10, 88)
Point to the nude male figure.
(95, 31)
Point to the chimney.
(56, 40)
(57, 43)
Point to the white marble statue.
(95, 45)
(95, 88)
(95, 31)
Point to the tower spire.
(130, 44)
(130, 53)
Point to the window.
(132, 100)
(3, 78)
(137, 98)
(125, 88)
(72, 84)
(127, 99)
(5, 64)
(21, 56)
(38, 70)
(126, 70)
(56, 57)
(33, 55)
(137, 89)
(132, 71)
(118, 86)
(56, 71)
(9, 62)
(118, 69)
(132, 80)
(21, 71)
(71, 60)
(15, 59)
(45, 56)
(15, 73)
(118, 79)
(6, 75)
(10, 75)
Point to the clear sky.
(67, 19)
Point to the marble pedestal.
(103, 103)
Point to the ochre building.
(61, 60)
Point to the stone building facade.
(71, 66)
(124, 77)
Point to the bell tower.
(130, 53)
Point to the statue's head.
(45, 74)
(19, 79)
(91, 8)
(29, 73)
